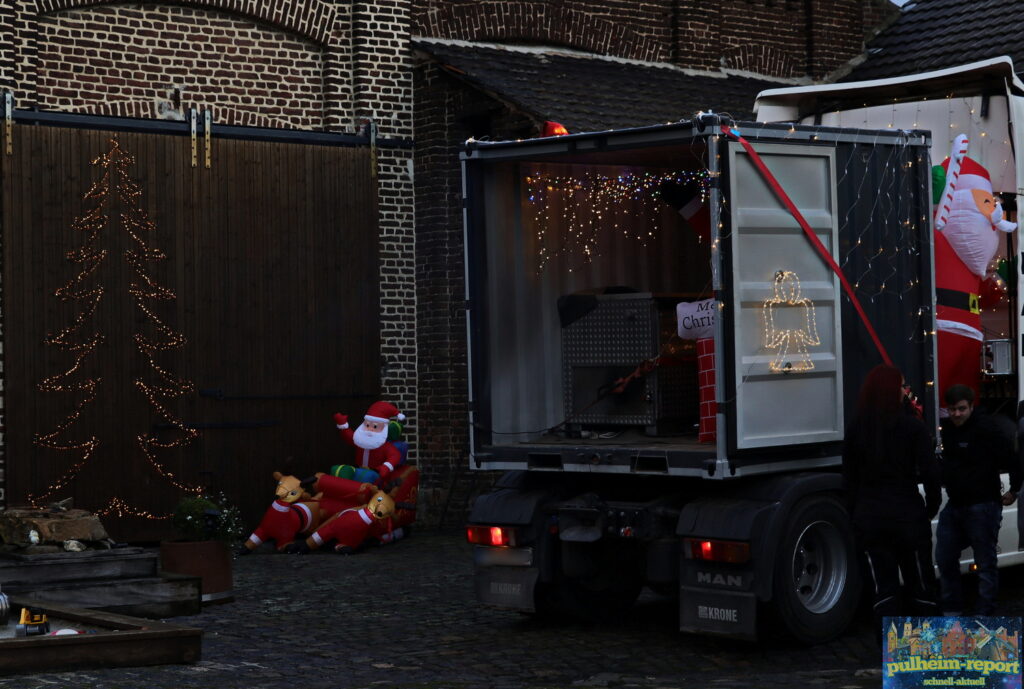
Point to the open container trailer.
(577, 258)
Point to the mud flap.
(507, 587)
(718, 612)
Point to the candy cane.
(956, 157)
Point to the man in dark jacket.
(975, 451)
(887, 453)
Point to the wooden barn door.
(270, 272)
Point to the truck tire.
(816, 584)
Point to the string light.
(114, 183)
(786, 293)
(119, 508)
(573, 211)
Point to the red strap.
(822, 251)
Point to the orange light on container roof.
(554, 129)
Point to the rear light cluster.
(491, 535)
(734, 552)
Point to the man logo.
(734, 580)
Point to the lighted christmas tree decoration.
(85, 291)
(791, 343)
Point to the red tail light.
(716, 551)
(491, 535)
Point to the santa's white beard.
(368, 440)
(972, 237)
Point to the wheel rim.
(819, 566)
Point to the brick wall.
(637, 30)
(93, 57)
(772, 37)
(381, 75)
(878, 14)
(447, 113)
(296, 64)
(837, 35)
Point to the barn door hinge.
(8, 121)
(207, 138)
(193, 120)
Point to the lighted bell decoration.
(554, 129)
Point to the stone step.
(169, 595)
(117, 563)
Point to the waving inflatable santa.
(370, 439)
(968, 223)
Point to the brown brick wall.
(381, 75)
(837, 35)
(878, 14)
(93, 57)
(637, 30)
(310, 18)
(772, 37)
(447, 114)
(382, 65)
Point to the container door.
(787, 376)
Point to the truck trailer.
(667, 395)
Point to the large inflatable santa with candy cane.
(968, 226)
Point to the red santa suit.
(968, 220)
(281, 522)
(349, 528)
(337, 494)
(958, 320)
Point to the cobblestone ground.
(404, 616)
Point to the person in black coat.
(975, 451)
(887, 453)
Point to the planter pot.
(208, 560)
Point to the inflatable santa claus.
(968, 226)
(373, 451)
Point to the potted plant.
(207, 525)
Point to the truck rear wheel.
(816, 579)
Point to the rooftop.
(587, 92)
(933, 34)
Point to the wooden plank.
(164, 596)
(90, 564)
(137, 642)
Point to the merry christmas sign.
(695, 319)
